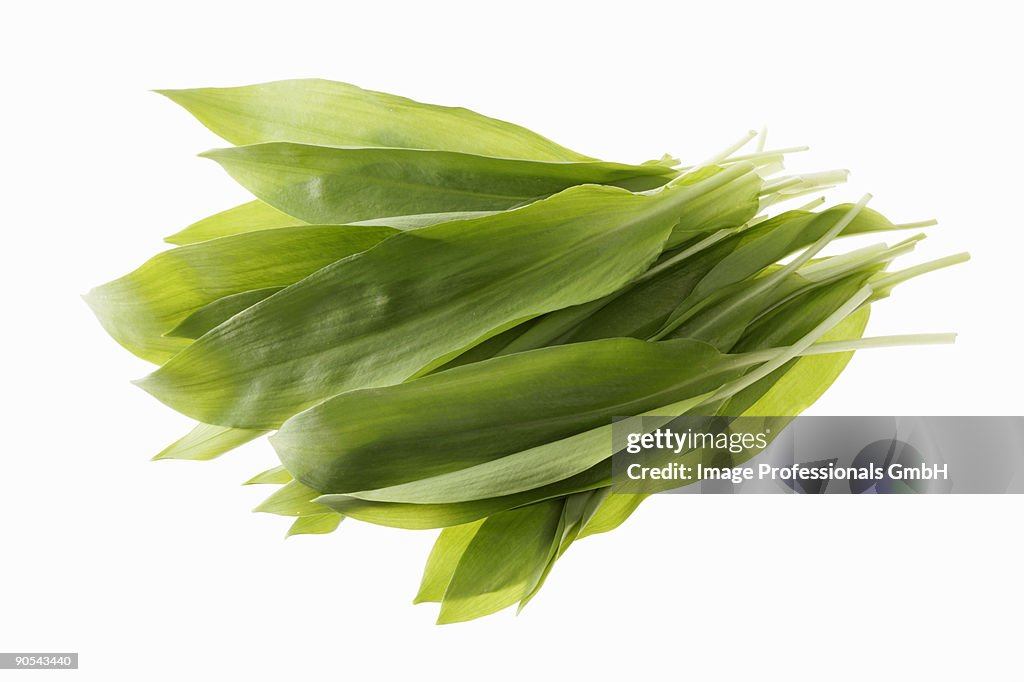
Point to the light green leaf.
(724, 325)
(577, 511)
(315, 524)
(612, 513)
(249, 217)
(415, 516)
(413, 301)
(778, 237)
(808, 378)
(729, 200)
(448, 549)
(425, 516)
(502, 563)
(275, 475)
(292, 499)
(414, 222)
(693, 273)
(206, 442)
(340, 185)
(316, 111)
(139, 308)
(212, 314)
(727, 290)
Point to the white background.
(159, 571)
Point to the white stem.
(762, 139)
(811, 205)
(866, 343)
(766, 283)
(891, 279)
(730, 150)
(784, 355)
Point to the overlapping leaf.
(445, 310)
(139, 309)
(316, 111)
(382, 437)
(382, 316)
(339, 185)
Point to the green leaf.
(212, 314)
(315, 524)
(316, 111)
(808, 378)
(729, 200)
(417, 516)
(531, 469)
(733, 319)
(612, 513)
(249, 217)
(275, 475)
(206, 442)
(448, 549)
(778, 237)
(426, 516)
(340, 185)
(414, 222)
(492, 428)
(502, 563)
(799, 320)
(726, 296)
(787, 392)
(292, 499)
(139, 308)
(414, 301)
(469, 416)
(684, 278)
(792, 319)
(577, 510)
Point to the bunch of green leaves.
(439, 314)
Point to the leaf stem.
(865, 343)
(773, 279)
(784, 355)
(913, 226)
(883, 284)
(730, 150)
(762, 139)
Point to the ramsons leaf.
(448, 549)
(471, 415)
(138, 309)
(316, 111)
(248, 217)
(206, 442)
(386, 314)
(340, 185)
(212, 314)
(315, 524)
(503, 561)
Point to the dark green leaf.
(412, 302)
(340, 185)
